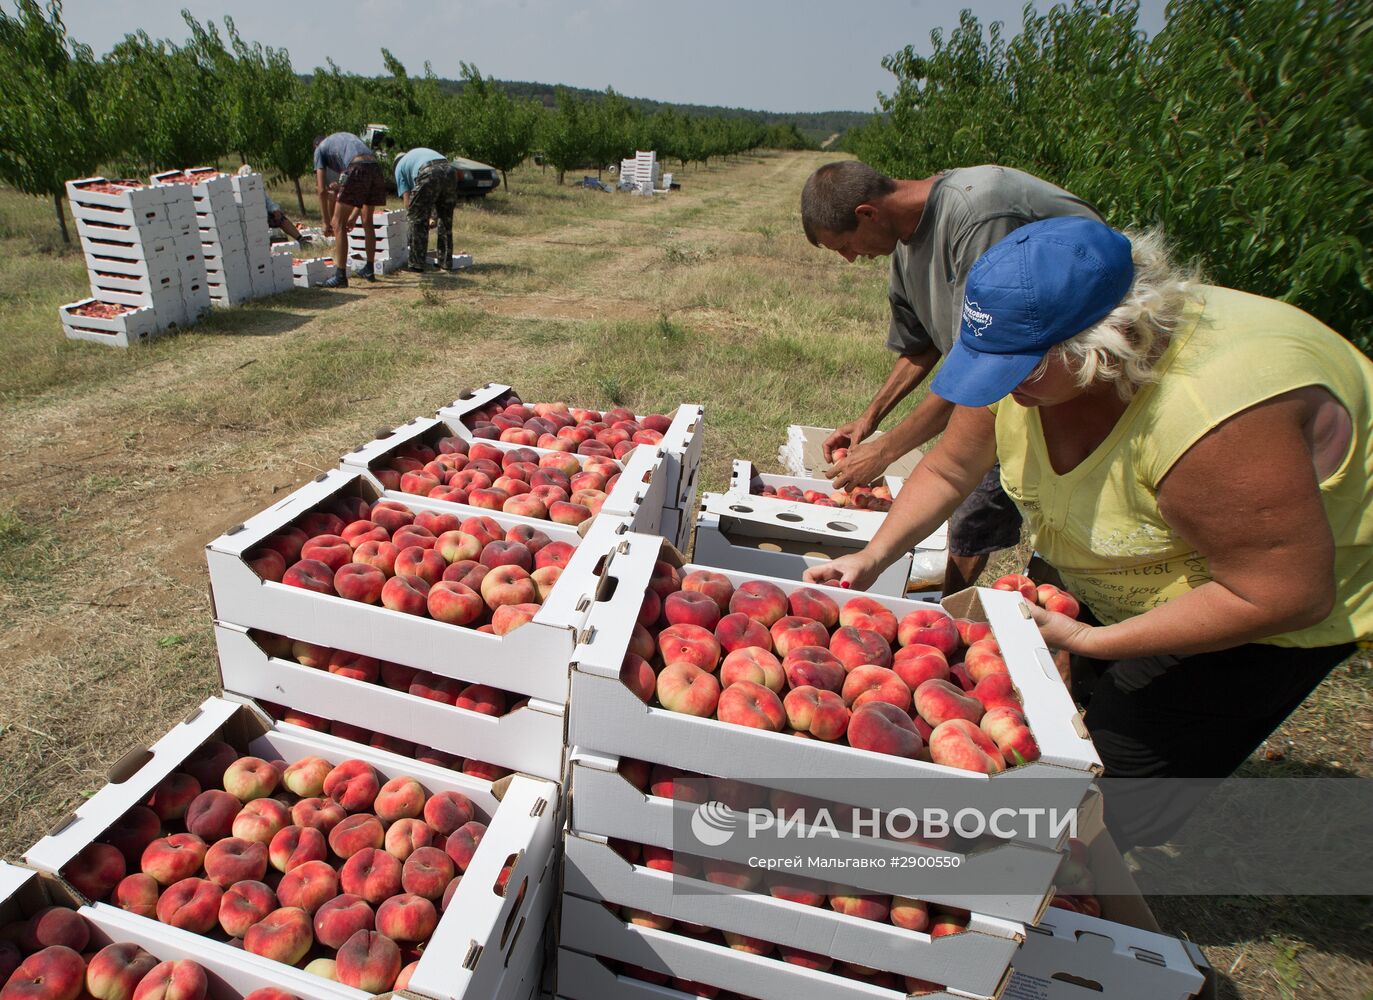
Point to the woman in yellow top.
(1196, 462)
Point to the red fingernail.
(844, 584)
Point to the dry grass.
(116, 468)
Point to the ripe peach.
(175, 979)
(863, 907)
(568, 512)
(751, 663)
(132, 832)
(208, 762)
(1008, 729)
(918, 663)
(525, 505)
(318, 813)
(650, 609)
(463, 842)
(368, 961)
(791, 632)
(307, 654)
(930, 627)
(869, 683)
(116, 970)
(959, 743)
(883, 728)
(1017, 582)
(814, 666)
(424, 563)
(762, 601)
(820, 713)
(391, 515)
(996, 691)
(173, 794)
(55, 925)
(364, 531)
(746, 703)
(815, 605)
(716, 586)
(508, 584)
(548, 496)
(667, 782)
(332, 550)
(412, 535)
(294, 845)
(137, 893)
(982, 660)
(638, 676)
(308, 886)
(305, 777)
(353, 784)
(479, 698)
(268, 564)
(250, 778)
(911, 914)
(509, 617)
(865, 612)
(738, 631)
(233, 860)
(243, 905)
(358, 832)
(436, 688)
(805, 959)
(690, 607)
(407, 594)
(191, 904)
(489, 498)
(689, 644)
(665, 580)
(731, 873)
(427, 872)
(210, 816)
(340, 918)
(857, 646)
(284, 935)
(685, 687)
(310, 574)
(407, 917)
(55, 973)
(555, 553)
(970, 631)
(288, 542)
(1059, 601)
(958, 674)
(173, 858)
(938, 701)
(400, 798)
(372, 874)
(796, 889)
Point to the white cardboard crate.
(102, 279)
(164, 300)
(532, 660)
(310, 271)
(380, 264)
(974, 962)
(136, 197)
(468, 953)
(139, 326)
(156, 269)
(604, 715)
(458, 262)
(683, 440)
(528, 739)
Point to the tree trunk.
(61, 218)
(300, 196)
(560, 177)
(505, 181)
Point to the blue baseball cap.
(1039, 286)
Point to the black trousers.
(1161, 718)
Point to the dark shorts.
(362, 183)
(985, 522)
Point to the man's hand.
(858, 571)
(862, 466)
(846, 436)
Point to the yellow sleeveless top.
(1100, 525)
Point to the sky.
(767, 55)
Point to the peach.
(340, 918)
(555, 553)
(479, 698)
(175, 979)
(424, 563)
(116, 970)
(1017, 582)
(856, 646)
(208, 762)
(665, 579)
(55, 973)
(689, 644)
(732, 874)
(863, 907)
(353, 784)
(503, 553)
(567, 512)
(983, 659)
(796, 889)
(320, 814)
(436, 688)
(418, 482)
(358, 832)
(970, 632)
(525, 505)
(137, 893)
(364, 531)
(368, 961)
(751, 663)
(243, 905)
(284, 935)
(865, 612)
(762, 601)
(391, 515)
(55, 925)
(307, 654)
(716, 586)
(250, 778)
(1008, 729)
(191, 904)
(332, 550)
(397, 677)
(749, 945)
(638, 676)
(210, 816)
(689, 607)
(958, 674)
(815, 605)
(400, 798)
(650, 609)
(233, 860)
(173, 858)
(407, 594)
(392, 744)
(918, 663)
(792, 632)
(746, 703)
(308, 886)
(738, 631)
(463, 842)
(272, 993)
(413, 535)
(455, 546)
(508, 584)
(947, 922)
(938, 701)
(407, 917)
(427, 872)
(549, 495)
(667, 782)
(268, 564)
(446, 811)
(380, 556)
(685, 687)
(1058, 601)
(930, 627)
(869, 683)
(305, 777)
(489, 498)
(292, 846)
(173, 794)
(814, 666)
(372, 874)
(959, 743)
(818, 712)
(805, 959)
(132, 832)
(454, 603)
(529, 536)
(641, 642)
(883, 728)
(509, 617)
(996, 691)
(359, 581)
(310, 574)
(561, 462)
(287, 542)
(910, 914)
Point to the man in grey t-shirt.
(933, 230)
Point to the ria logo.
(975, 317)
(714, 823)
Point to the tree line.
(152, 104)
(1244, 128)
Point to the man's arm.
(326, 209)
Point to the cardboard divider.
(528, 740)
(974, 961)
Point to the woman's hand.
(1061, 632)
(858, 571)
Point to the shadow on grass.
(266, 322)
(496, 267)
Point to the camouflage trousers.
(435, 193)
